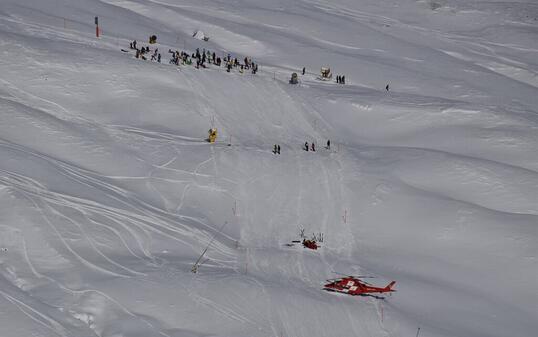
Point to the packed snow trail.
(109, 193)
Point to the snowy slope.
(109, 193)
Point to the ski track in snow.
(111, 190)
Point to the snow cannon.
(326, 73)
(153, 39)
(212, 135)
(294, 78)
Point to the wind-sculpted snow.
(109, 192)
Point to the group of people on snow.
(141, 52)
(200, 58)
(307, 147)
(177, 57)
(340, 79)
(312, 147)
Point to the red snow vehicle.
(352, 285)
(310, 244)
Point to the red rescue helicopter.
(353, 285)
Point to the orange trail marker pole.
(96, 26)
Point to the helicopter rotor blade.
(356, 276)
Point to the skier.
(159, 58)
(304, 70)
(337, 78)
(328, 144)
(387, 87)
(134, 44)
(306, 146)
(313, 147)
(278, 149)
(343, 79)
(275, 151)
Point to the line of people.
(307, 147)
(202, 58)
(212, 58)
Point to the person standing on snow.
(306, 146)
(278, 149)
(304, 70)
(328, 144)
(343, 79)
(313, 147)
(387, 87)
